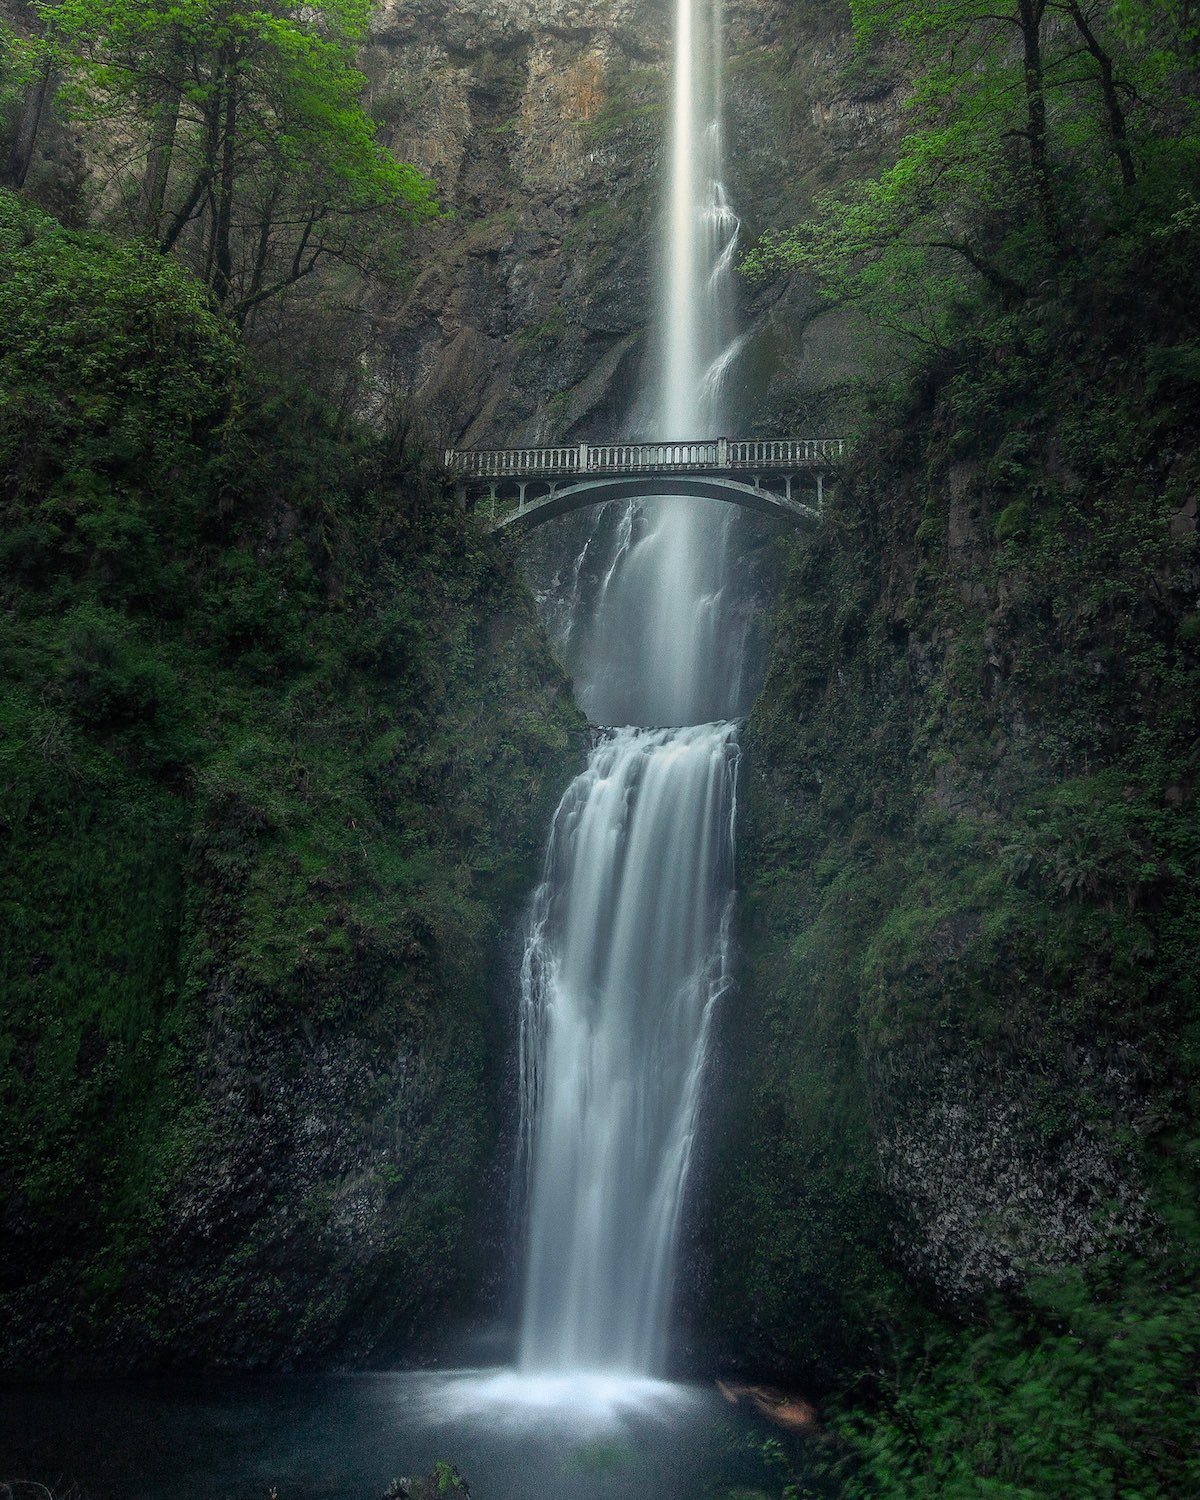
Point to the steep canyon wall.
(969, 916)
(543, 126)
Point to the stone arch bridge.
(520, 488)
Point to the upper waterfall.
(696, 333)
(664, 639)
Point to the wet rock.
(1183, 522)
(991, 1183)
(543, 127)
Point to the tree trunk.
(250, 299)
(222, 274)
(1031, 14)
(204, 178)
(1108, 87)
(1011, 292)
(29, 123)
(158, 164)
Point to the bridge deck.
(716, 455)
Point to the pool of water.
(325, 1437)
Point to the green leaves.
(266, 782)
(1033, 127)
(115, 355)
(1089, 1393)
(259, 163)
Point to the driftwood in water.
(785, 1408)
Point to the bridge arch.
(758, 474)
(561, 500)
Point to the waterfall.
(627, 950)
(663, 643)
(627, 954)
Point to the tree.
(907, 246)
(257, 160)
(27, 74)
(1019, 111)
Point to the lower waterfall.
(627, 951)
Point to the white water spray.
(627, 954)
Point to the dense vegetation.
(968, 1058)
(278, 741)
(1033, 130)
(234, 135)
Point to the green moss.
(971, 832)
(1012, 520)
(280, 737)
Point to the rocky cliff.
(543, 126)
(279, 744)
(525, 313)
(963, 1032)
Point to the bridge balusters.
(737, 454)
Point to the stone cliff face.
(543, 126)
(968, 857)
(528, 310)
(315, 1114)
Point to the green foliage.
(116, 358)
(278, 736)
(1033, 130)
(1089, 1393)
(17, 61)
(448, 1479)
(256, 157)
(972, 838)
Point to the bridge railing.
(640, 458)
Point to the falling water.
(627, 950)
(663, 642)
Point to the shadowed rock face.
(542, 126)
(985, 1194)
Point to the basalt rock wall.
(530, 316)
(960, 1047)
